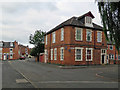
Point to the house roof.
(7, 45)
(78, 22)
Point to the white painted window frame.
(91, 54)
(118, 57)
(11, 57)
(62, 34)
(11, 44)
(110, 46)
(61, 54)
(99, 38)
(53, 37)
(55, 53)
(81, 38)
(51, 54)
(11, 49)
(46, 40)
(90, 35)
(77, 54)
(88, 19)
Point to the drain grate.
(21, 81)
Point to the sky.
(20, 19)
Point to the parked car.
(29, 56)
(22, 57)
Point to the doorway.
(103, 58)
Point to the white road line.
(74, 82)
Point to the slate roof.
(78, 22)
(7, 45)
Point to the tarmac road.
(30, 74)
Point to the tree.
(110, 15)
(38, 41)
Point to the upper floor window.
(62, 34)
(11, 44)
(99, 36)
(62, 53)
(11, 49)
(88, 19)
(46, 40)
(89, 53)
(53, 37)
(78, 34)
(89, 35)
(111, 47)
(1, 44)
(78, 53)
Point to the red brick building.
(23, 50)
(11, 50)
(77, 41)
(112, 54)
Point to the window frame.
(111, 56)
(76, 34)
(11, 50)
(62, 34)
(46, 40)
(53, 37)
(91, 54)
(51, 50)
(10, 56)
(55, 53)
(11, 44)
(88, 30)
(99, 38)
(110, 47)
(62, 54)
(79, 54)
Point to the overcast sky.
(20, 19)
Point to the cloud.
(21, 19)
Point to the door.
(103, 58)
(7, 56)
(4, 56)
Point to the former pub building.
(76, 41)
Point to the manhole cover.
(21, 81)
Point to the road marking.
(74, 82)
(21, 81)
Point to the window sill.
(79, 40)
(78, 60)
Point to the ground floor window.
(55, 54)
(118, 57)
(0, 55)
(46, 54)
(62, 53)
(89, 52)
(111, 56)
(78, 54)
(51, 54)
(11, 56)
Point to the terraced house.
(76, 41)
(12, 50)
(9, 50)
